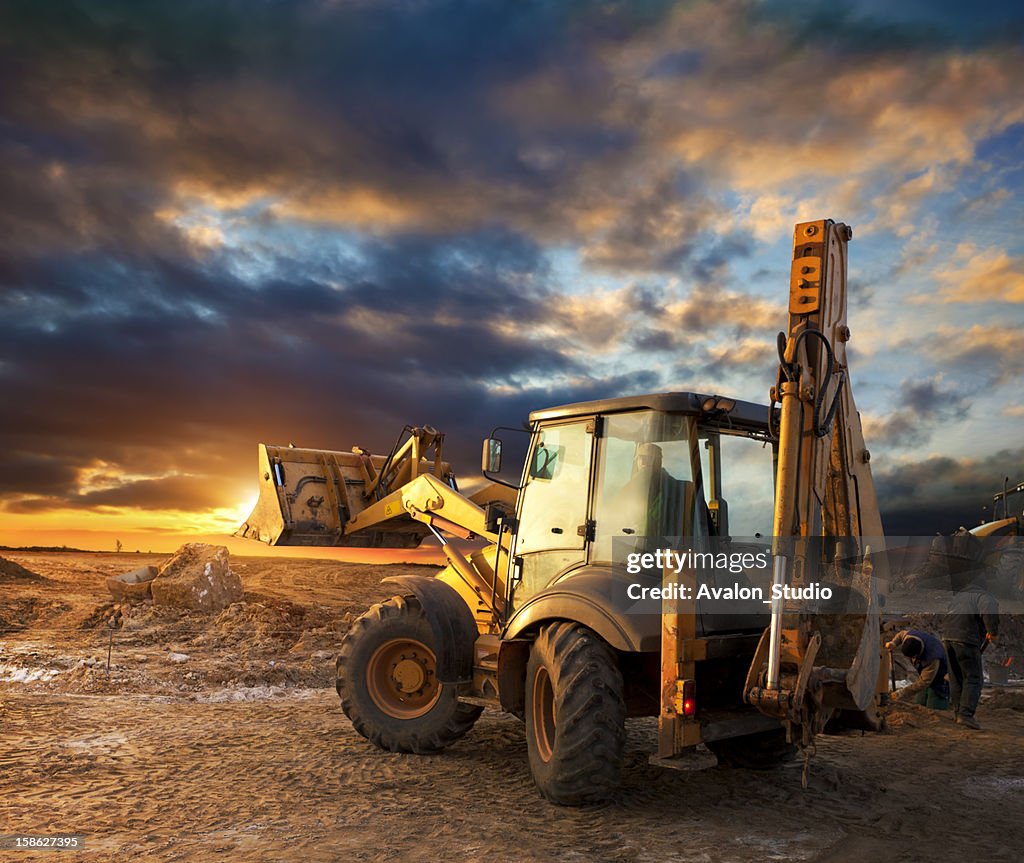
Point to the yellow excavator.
(994, 546)
(584, 588)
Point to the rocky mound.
(197, 577)
(11, 571)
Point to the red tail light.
(689, 698)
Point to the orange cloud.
(991, 350)
(982, 275)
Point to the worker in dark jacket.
(972, 622)
(928, 657)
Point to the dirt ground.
(220, 737)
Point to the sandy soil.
(239, 751)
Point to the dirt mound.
(258, 621)
(262, 622)
(105, 615)
(23, 612)
(1005, 699)
(198, 577)
(262, 640)
(11, 571)
(902, 716)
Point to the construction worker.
(643, 494)
(648, 475)
(928, 657)
(972, 622)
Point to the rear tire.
(575, 715)
(760, 751)
(387, 681)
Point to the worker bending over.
(928, 657)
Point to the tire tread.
(447, 722)
(586, 762)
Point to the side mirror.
(491, 459)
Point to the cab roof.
(721, 410)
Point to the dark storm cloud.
(172, 365)
(44, 474)
(389, 175)
(920, 406)
(307, 97)
(871, 26)
(986, 351)
(125, 346)
(653, 340)
(713, 329)
(175, 492)
(475, 275)
(939, 494)
(718, 363)
(652, 231)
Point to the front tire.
(387, 681)
(575, 715)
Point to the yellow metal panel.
(805, 285)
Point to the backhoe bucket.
(309, 497)
(830, 653)
(849, 659)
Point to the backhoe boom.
(817, 658)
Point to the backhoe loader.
(994, 548)
(537, 611)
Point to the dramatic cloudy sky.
(227, 222)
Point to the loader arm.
(443, 510)
(328, 498)
(818, 656)
(319, 497)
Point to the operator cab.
(606, 478)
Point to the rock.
(135, 585)
(178, 657)
(197, 577)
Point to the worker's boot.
(969, 722)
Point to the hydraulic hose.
(791, 371)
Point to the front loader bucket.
(309, 497)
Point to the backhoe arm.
(814, 658)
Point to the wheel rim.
(401, 677)
(543, 714)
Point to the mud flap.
(450, 620)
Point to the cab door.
(553, 528)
